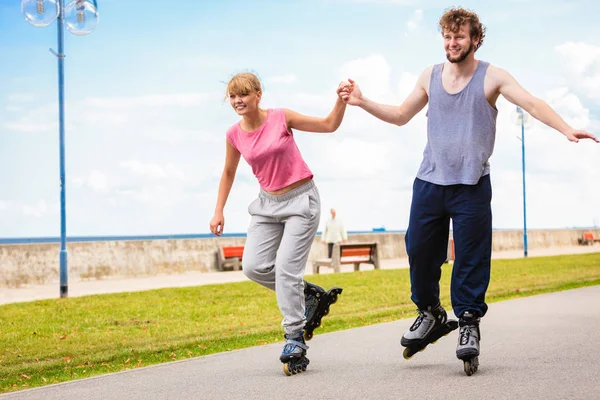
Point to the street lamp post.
(521, 118)
(80, 17)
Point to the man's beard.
(462, 57)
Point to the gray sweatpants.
(279, 239)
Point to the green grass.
(58, 340)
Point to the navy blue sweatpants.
(469, 207)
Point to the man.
(334, 233)
(453, 180)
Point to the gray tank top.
(461, 132)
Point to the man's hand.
(575, 135)
(351, 94)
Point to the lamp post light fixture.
(80, 17)
(520, 117)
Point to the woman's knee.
(255, 270)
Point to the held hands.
(350, 93)
(574, 135)
(217, 224)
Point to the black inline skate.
(317, 302)
(431, 324)
(469, 336)
(293, 355)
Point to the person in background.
(334, 232)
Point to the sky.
(146, 116)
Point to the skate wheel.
(308, 335)
(326, 311)
(467, 367)
(471, 365)
(406, 354)
(286, 369)
(334, 299)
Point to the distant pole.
(64, 276)
(80, 18)
(520, 111)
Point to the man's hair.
(454, 18)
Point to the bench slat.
(365, 252)
(233, 251)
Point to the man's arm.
(539, 109)
(398, 115)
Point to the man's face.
(458, 45)
(332, 213)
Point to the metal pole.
(519, 109)
(64, 286)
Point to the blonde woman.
(286, 214)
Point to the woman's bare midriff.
(291, 187)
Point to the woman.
(286, 214)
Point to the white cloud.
(38, 209)
(21, 97)
(152, 170)
(582, 62)
(415, 21)
(399, 2)
(147, 101)
(26, 127)
(337, 156)
(35, 119)
(569, 106)
(372, 74)
(406, 84)
(558, 172)
(286, 79)
(579, 56)
(96, 180)
(3, 206)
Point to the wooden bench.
(229, 256)
(349, 253)
(588, 239)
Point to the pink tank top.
(271, 152)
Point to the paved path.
(540, 347)
(83, 288)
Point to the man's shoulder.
(425, 75)
(491, 68)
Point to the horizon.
(146, 120)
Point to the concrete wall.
(38, 263)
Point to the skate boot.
(467, 349)
(317, 302)
(430, 325)
(293, 355)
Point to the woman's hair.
(243, 83)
